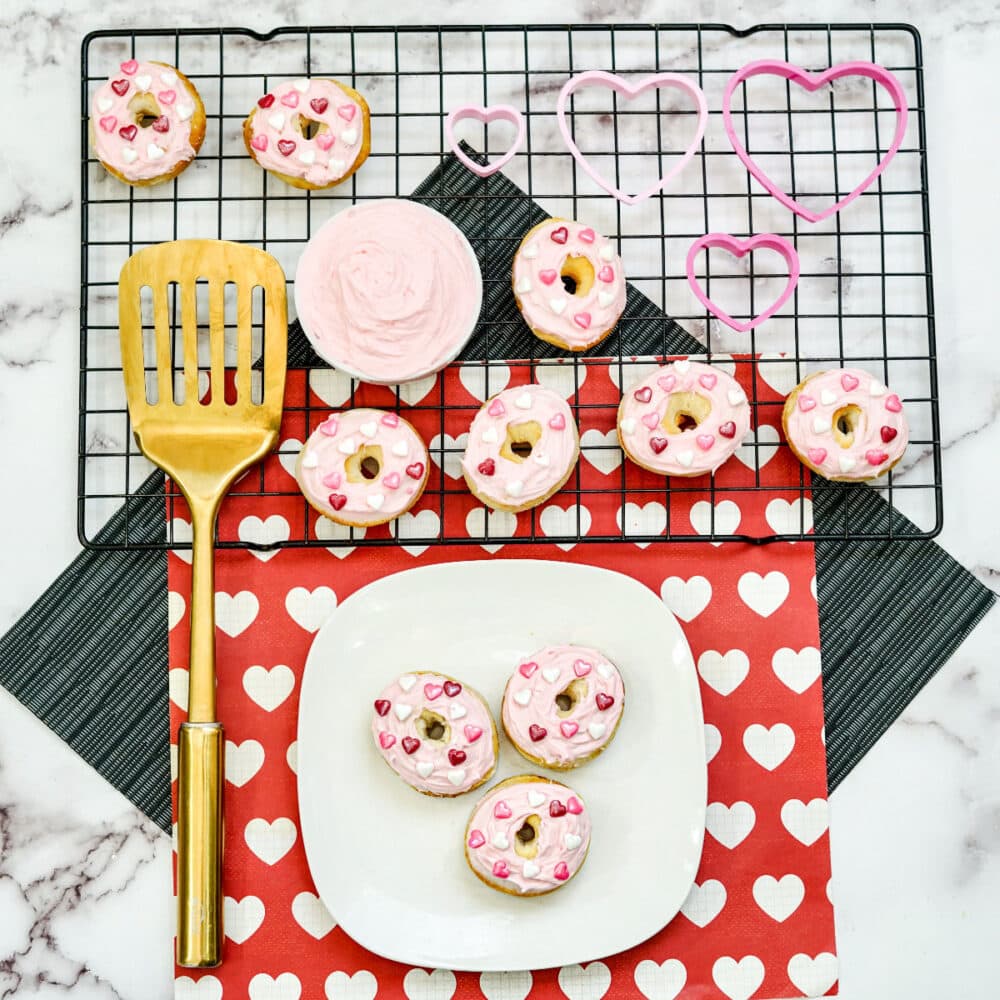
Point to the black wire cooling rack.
(864, 298)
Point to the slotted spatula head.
(203, 446)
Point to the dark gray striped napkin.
(90, 657)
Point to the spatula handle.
(200, 775)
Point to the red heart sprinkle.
(556, 809)
(127, 132)
(560, 235)
(129, 67)
(336, 500)
(162, 124)
(888, 434)
(266, 101)
(476, 839)
(876, 457)
(587, 235)
(643, 395)
(120, 87)
(561, 871)
(411, 744)
(500, 870)
(658, 444)
(728, 429)
(604, 701)
(574, 805)
(386, 740)
(456, 757)
(347, 112)
(451, 688)
(433, 691)
(472, 733)
(527, 669)
(286, 146)
(582, 320)
(606, 273)
(382, 706)
(415, 471)
(537, 733)
(548, 276)
(487, 467)
(319, 104)
(501, 810)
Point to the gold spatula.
(203, 447)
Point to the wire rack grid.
(865, 295)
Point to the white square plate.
(389, 863)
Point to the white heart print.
(268, 687)
(648, 519)
(177, 685)
(727, 517)
(480, 522)
(791, 518)
(505, 985)
(312, 916)
(713, 742)
(589, 982)
(483, 381)
(329, 531)
(235, 613)
(704, 902)
(601, 449)
(561, 376)
(739, 980)
(779, 898)
(769, 747)
(555, 521)
(270, 841)
(412, 393)
(310, 608)
(723, 672)
(425, 524)
(180, 532)
(797, 670)
(264, 532)
(756, 452)
(730, 825)
(438, 984)
(205, 988)
(342, 986)
(285, 986)
(288, 456)
(686, 598)
(176, 606)
(779, 372)
(242, 917)
(446, 452)
(806, 821)
(763, 594)
(243, 761)
(813, 976)
(660, 982)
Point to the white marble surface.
(85, 901)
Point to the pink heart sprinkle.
(329, 426)
(581, 668)
(876, 457)
(667, 382)
(893, 404)
(643, 395)
(561, 871)
(108, 123)
(386, 740)
(332, 480)
(390, 419)
(587, 235)
(708, 380)
(472, 733)
(558, 422)
(574, 805)
(606, 274)
(816, 455)
(259, 142)
(547, 276)
(291, 99)
(324, 140)
(705, 441)
(500, 870)
(167, 96)
(651, 420)
(568, 729)
(496, 408)
(582, 320)
(849, 382)
(391, 481)
(433, 691)
(501, 810)
(806, 403)
(527, 669)
(130, 66)
(476, 839)
(347, 112)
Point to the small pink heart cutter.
(492, 113)
(812, 82)
(740, 248)
(629, 90)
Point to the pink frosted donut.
(568, 283)
(562, 705)
(362, 467)
(147, 122)
(528, 836)
(523, 444)
(685, 419)
(435, 733)
(845, 425)
(312, 133)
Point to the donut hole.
(685, 411)
(433, 727)
(364, 465)
(577, 275)
(521, 440)
(526, 838)
(144, 109)
(845, 422)
(567, 699)
(309, 127)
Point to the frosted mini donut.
(568, 283)
(845, 425)
(362, 467)
(147, 122)
(685, 419)
(523, 444)
(527, 836)
(562, 705)
(311, 133)
(436, 733)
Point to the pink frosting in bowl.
(388, 291)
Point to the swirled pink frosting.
(389, 291)
(142, 153)
(531, 716)
(278, 142)
(575, 319)
(562, 840)
(466, 760)
(880, 437)
(693, 451)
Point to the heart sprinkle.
(390, 419)
(286, 146)
(324, 140)
(587, 235)
(548, 276)
(667, 382)
(386, 740)
(496, 408)
(109, 123)
(561, 871)
(604, 701)
(476, 839)
(411, 744)
(574, 805)
(875, 457)
(472, 733)
(500, 870)
(162, 124)
(347, 112)
(259, 142)
(816, 455)
(650, 420)
(849, 381)
(537, 733)
(266, 101)
(129, 67)
(643, 395)
(128, 132)
(705, 441)
(336, 500)
(290, 100)
(523, 697)
(487, 467)
(527, 669)
(582, 320)
(581, 668)
(332, 480)
(556, 809)
(120, 87)
(558, 422)
(457, 711)
(391, 482)
(167, 96)
(568, 729)
(416, 470)
(382, 706)
(893, 404)
(456, 757)
(523, 402)
(433, 691)
(560, 235)
(658, 444)
(452, 688)
(708, 380)
(319, 104)
(728, 429)
(806, 403)
(888, 434)
(572, 841)
(502, 811)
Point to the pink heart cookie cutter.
(812, 82)
(740, 248)
(629, 90)
(479, 113)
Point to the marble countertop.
(85, 900)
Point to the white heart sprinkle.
(310, 461)
(628, 425)
(308, 157)
(597, 729)
(458, 711)
(523, 402)
(530, 252)
(551, 674)
(523, 696)
(514, 487)
(129, 155)
(572, 841)
(604, 669)
(375, 501)
(336, 167)
(185, 111)
(401, 449)
(154, 152)
(606, 252)
(456, 776)
(821, 425)
(523, 286)
(827, 397)
(349, 136)
(369, 429)
(530, 869)
(490, 435)
(542, 459)
(876, 389)
(685, 458)
(425, 768)
(104, 104)
(604, 299)
(535, 799)
(500, 841)
(169, 78)
(682, 366)
(557, 306)
(276, 121)
(402, 711)
(847, 463)
(735, 397)
(301, 85)
(407, 681)
(143, 82)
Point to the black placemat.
(90, 657)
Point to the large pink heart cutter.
(812, 82)
(630, 90)
(740, 248)
(492, 113)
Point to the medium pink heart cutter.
(629, 90)
(492, 113)
(740, 248)
(812, 82)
